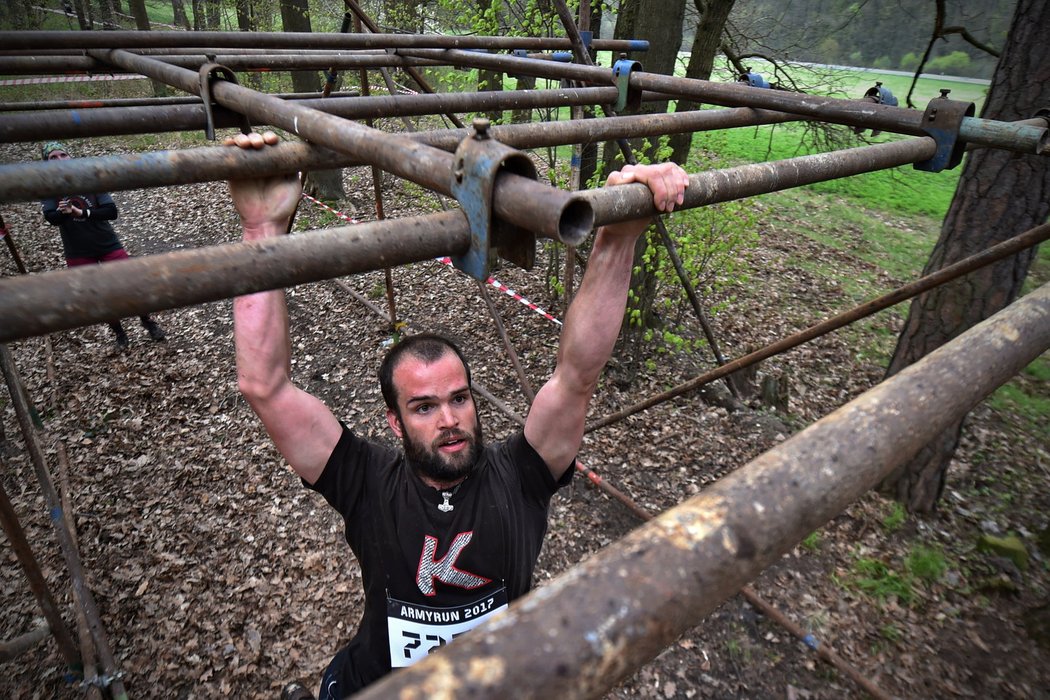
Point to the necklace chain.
(445, 506)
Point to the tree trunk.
(659, 22)
(198, 14)
(105, 14)
(713, 16)
(138, 11)
(178, 11)
(246, 23)
(488, 81)
(523, 116)
(83, 10)
(244, 15)
(1000, 194)
(213, 14)
(295, 17)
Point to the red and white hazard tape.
(448, 261)
(511, 293)
(70, 79)
(338, 213)
(402, 90)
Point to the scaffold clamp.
(479, 160)
(630, 98)
(942, 120)
(210, 72)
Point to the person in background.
(88, 237)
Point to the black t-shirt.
(89, 237)
(424, 557)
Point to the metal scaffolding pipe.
(543, 209)
(141, 102)
(1005, 249)
(82, 592)
(35, 65)
(16, 537)
(29, 181)
(612, 204)
(121, 120)
(44, 40)
(62, 299)
(1011, 136)
(580, 634)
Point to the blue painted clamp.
(942, 120)
(630, 98)
(478, 160)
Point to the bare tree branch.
(970, 39)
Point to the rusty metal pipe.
(997, 252)
(140, 102)
(37, 65)
(540, 208)
(16, 536)
(580, 634)
(82, 593)
(28, 181)
(44, 40)
(73, 122)
(62, 299)
(612, 204)
(1012, 136)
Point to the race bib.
(418, 630)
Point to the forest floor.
(217, 575)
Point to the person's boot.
(155, 331)
(121, 336)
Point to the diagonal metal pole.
(9, 239)
(997, 252)
(572, 639)
(83, 594)
(583, 57)
(37, 583)
(411, 71)
(749, 594)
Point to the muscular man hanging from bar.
(447, 532)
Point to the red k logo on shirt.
(444, 569)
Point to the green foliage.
(882, 63)
(895, 518)
(712, 243)
(890, 632)
(830, 48)
(955, 63)
(910, 61)
(875, 578)
(926, 563)
(812, 541)
(1031, 408)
